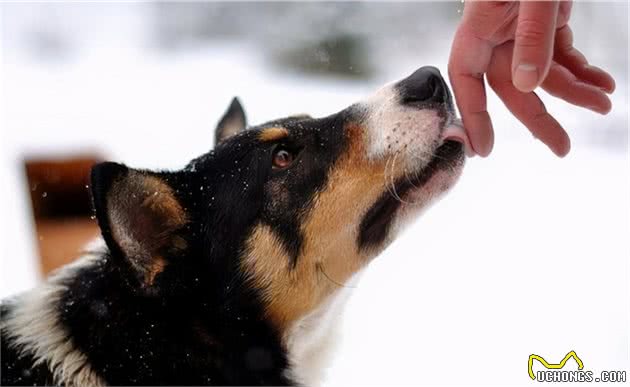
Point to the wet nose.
(424, 86)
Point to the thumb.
(533, 43)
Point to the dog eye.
(282, 158)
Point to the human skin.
(518, 47)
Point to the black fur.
(200, 322)
(378, 219)
(169, 303)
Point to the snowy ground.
(528, 254)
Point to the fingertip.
(480, 133)
(563, 150)
(483, 149)
(526, 77)
(545, 128)
(563, 153)
(605, 108)
(562, 145)
(603, 80)
(611, 86)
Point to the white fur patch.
(33, 324)
(419, 200)
(311, 340)
(393, 128)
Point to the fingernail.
(526, 77)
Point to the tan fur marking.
(273, 134)
(139, 196)
(161, 200)
(330, 239)
(179, 243)
(156, 266)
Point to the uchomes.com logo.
(556, 372)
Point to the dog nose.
(424, 86)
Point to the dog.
(231, 270)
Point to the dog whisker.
(320, 267)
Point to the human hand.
(520, 46)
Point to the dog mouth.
(433, 144)
(454, 131)
(448, 158)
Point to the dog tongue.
(455, 131)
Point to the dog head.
(282, 213)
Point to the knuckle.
(530, 33)
(564, 39)
(566, 33)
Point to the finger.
(595, 76)
(564, 13)
(526, 107)
(470, 95)
(531, 111)
(533, 43)
(574, 61)
(468, 62)
(561, 83)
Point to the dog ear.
(232, 122)
(139, 217)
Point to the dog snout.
(424, 87)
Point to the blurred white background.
(528, 254)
